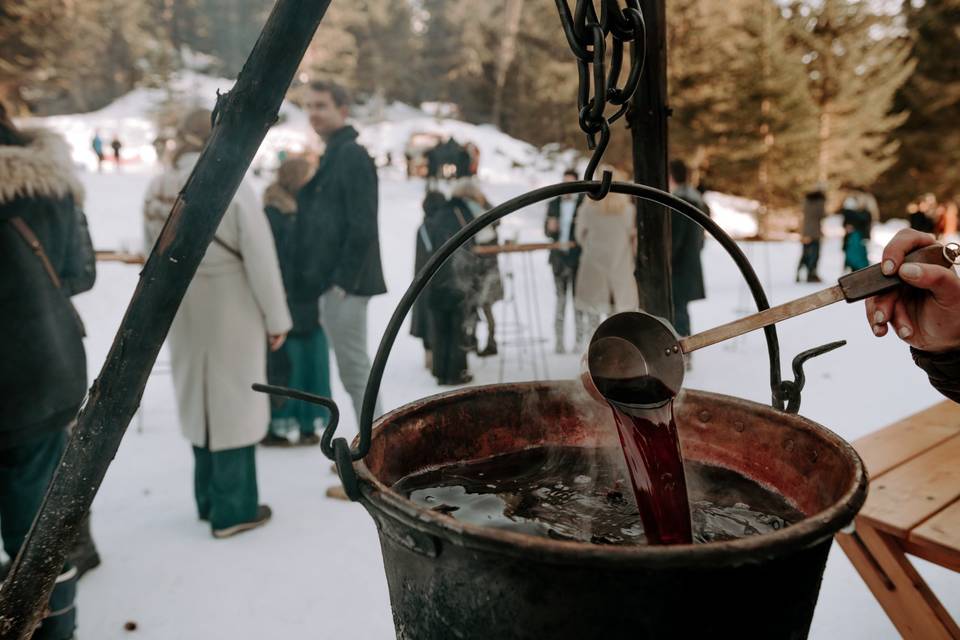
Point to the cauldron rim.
(381, 501)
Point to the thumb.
(943, 283)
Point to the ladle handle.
(871, 281)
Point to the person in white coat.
(606, 233)
(233, 308)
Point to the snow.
(315, 570)
(132, 119)
(737, 216)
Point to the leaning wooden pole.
(647, 119)
(243, 117)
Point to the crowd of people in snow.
(860, 212)
(291, 278)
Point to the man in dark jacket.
(560, 226)
(925, 314)
(687, 235)
(814, 210)
(45, 257)
(337, 254)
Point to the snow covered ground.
(315, 571)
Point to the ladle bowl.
(634, 360)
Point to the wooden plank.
(910, 493)
(908, 438)
(510, 247)
(908, 601)
(938, 539)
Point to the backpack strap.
(223, 245)
(34, 243)
(425, 238)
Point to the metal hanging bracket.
(789, 390)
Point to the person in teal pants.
(304, 360)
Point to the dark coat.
(688, 236)
(814, 210)
(451, 286)
(920, 221)
(562, 260)
(305, 313)
(419, 323)
(419, 314)
(943, 370)
(337, 236)
(859, 220)
(43, 371)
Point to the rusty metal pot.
(449, 579)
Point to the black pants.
(25, 472)
(810, 258)
(225, 485)
(681, 317)
(446, 337)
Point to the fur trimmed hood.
(41, 169)
(279, 198)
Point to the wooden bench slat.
(910, 493)
(903, 440)
(938, 539)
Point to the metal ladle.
(636, 360)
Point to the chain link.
(587, 34)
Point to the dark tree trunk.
(648, 124)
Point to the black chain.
(587, 36)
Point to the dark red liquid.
(643, 390)
(578, 494)
(652, 452)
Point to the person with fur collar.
(234, 304)
(303, 362)
(45, 257)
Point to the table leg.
(912, 607)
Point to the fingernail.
(877, 330)
(904, 332)
(910, 271)
(888, 267)
(879, 318)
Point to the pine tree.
(367, 46)
(929, 159)
(771, 140)
(442, 54)
(701, 43)
(233, 27)
(856, 63)
(506, 54)
(31, 32)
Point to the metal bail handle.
(337, 449)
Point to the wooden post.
(647, 120)
(245, 115)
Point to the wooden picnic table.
(913, 507)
